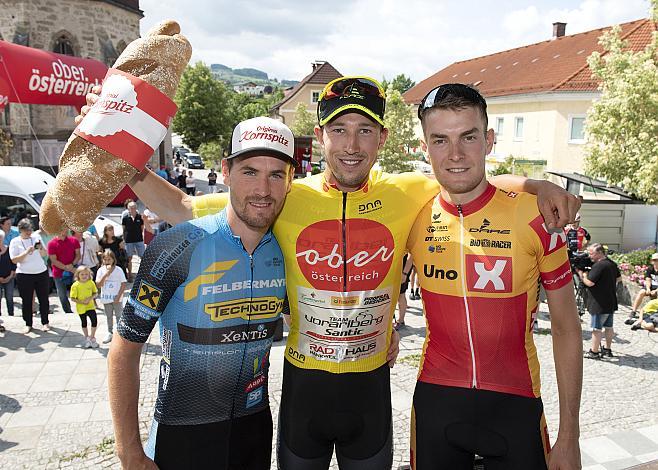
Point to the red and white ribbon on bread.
(129, 120)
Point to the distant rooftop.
(555, 65)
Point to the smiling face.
(84, 276)
(457, 143)
(258, 187)
(350, 143)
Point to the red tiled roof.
(322, 74)
(554, 65)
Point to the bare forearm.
(515, 183)
(161, 197)
(123, 384)
(567, 353)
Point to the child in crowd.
(111, 280)
(83, 293)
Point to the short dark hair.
(4, 219)
(453, 96)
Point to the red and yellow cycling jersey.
(479, 266)
(343, 257)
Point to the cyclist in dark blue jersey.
(217, 286)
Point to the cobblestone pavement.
(54, 411)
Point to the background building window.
(577, 129)
(315, 96)
(63, 45)
(499, 126)
(518, 128)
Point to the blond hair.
(79, 270)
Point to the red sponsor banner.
(558, 277)
(489, 273)
(34, 76)
(129, 120)
(550, 241)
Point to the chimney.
(559, 29)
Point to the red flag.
(34, 76)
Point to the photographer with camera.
(601, 281)
(26, 252)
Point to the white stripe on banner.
(145, 128)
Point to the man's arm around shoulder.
(568, 356)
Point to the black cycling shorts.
(238, 444)
(449, 425)
(320, 410)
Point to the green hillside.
(237, 76)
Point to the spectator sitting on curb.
(650, 288)
(649, 318)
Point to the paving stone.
(73, 413)
(30, 416)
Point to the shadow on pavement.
(7, 405)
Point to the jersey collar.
(222, 221)
(470, 207)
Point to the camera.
(580, 261)
(37, 245)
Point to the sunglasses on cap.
(435, 96)
(363, 94)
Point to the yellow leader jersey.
(343, 257)
(479, 266)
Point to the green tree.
(204, 111)
(304, 121)
(400, 83)
(399, 119)
(622, 127)
(504, 168)
(212, 153)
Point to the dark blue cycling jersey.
(217, 307)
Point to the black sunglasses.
(460, 90)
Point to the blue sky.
(373, 37)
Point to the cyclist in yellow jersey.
(481, 253)
(343, 236)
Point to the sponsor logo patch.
(148, 295)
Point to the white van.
(22, 190)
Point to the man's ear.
(317, 130)
(383, 135)
(225, 170)
(291, 176)
(491, 139)
(423, 145)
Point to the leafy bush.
(633, 264)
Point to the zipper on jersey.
(344, 244)
(462, 257)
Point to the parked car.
(22, 190)
(193, 160)
(179, 154)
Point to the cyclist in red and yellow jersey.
(481, 253)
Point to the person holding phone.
(27, 252)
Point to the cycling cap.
(361, 94)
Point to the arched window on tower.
(63, 45)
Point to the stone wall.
(96, 29)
